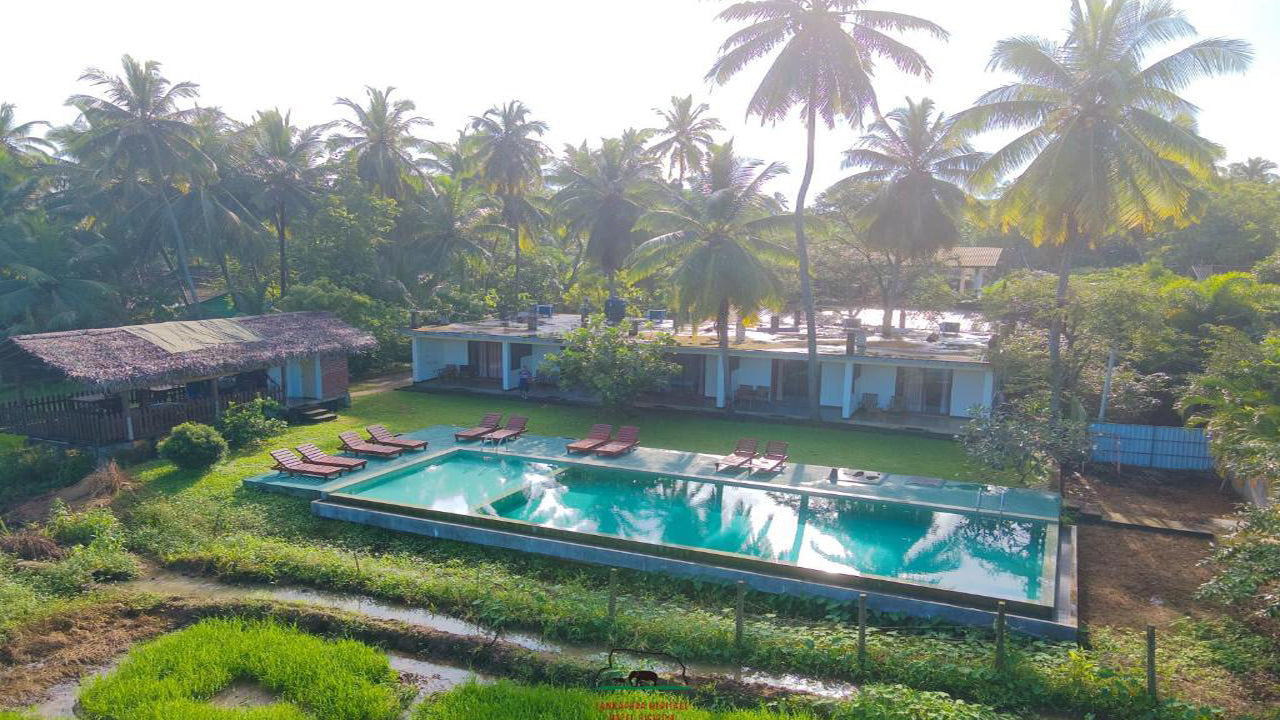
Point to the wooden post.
(613, 595)
(217, 401)
(737, 631)
(862, 630)
(1000, 659)
(128, 416)
(1151, 662)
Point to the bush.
(103, 560)
(31, 470)
(193, 446)
(81, 528)
(174, 676)
(249, 424)
(605, 361)
(1248, 564)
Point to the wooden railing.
(79, 420)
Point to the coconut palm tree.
(920, 162)
(136, 128)
(715, 241)
(1106, 144)
(380, 141)
(17, 140)
(458, 216)
(684, 136)
(603, 192)
(510, 158)
(285, 160)
(1255, 169)
(825, 50)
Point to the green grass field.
(857, 448)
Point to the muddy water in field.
(164, 582)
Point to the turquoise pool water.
(972, 553)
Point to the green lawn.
(866, 449)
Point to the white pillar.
(418, 360)
(506, 366)
(846, 409)
(720, 372)
(988, 389)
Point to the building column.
(415, 346)
(217, 399)
(720, 372)
(128, 416)
(319, 370)
(846, 409)
(988, 389)
(506, 366)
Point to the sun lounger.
(358, 445)
(598, 436)
(287, 462)
(488, 424)
(382, 436)
(627, 440)
(774, 458)
(516, 425)
(741, 456)
(316, 456)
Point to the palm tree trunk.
(802, 253)
(890, 301)
(726, 377)
(515, 243)
(284, 265)
(1055, 329)
(180, 249)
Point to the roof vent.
(855, 342)
(949, 328)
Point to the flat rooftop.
(919, 340)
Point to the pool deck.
(947, 495)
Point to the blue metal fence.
(1169, 448)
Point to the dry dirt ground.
(1187, 497)
(1129, 578)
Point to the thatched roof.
(115, 359)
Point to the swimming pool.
(835, 539)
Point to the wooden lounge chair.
(382, 436)
(516, 425)
(352, 442)
(627, 440)
(774, 458)
(290, 464)
(598, 436)
(741, 456)
(488, 424)
(316, 456)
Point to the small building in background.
(970, 268)
(105, 386)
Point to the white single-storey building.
(936, 369)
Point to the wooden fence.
(89, 419)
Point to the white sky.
(588, 67)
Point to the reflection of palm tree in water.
(893, 540)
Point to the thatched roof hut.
(125, 358)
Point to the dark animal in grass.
(640, 678)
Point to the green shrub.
(173, 676)
(1247, 562)
(103, 560)
(383, 320)
(193, 446)
(81, 528)
(26, 471)
(249, 424)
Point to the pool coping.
(892, 488)
(1056, 620)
